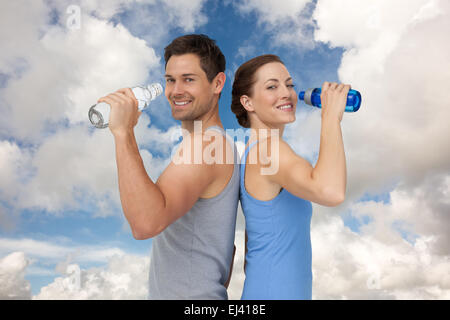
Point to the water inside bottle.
(99, 115)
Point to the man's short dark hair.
(212, 60)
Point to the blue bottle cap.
(301, 95)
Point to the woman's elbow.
(338, 200)
(333, 198)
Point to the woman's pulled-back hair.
(244, 79)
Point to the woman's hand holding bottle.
(334, 100)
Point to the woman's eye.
(291, 85)
(271, 87)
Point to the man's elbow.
(139, 235)
(144, 233)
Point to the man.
(190, 212)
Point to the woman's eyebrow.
(276, 80)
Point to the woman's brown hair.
(244, 79)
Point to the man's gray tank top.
(191, 258)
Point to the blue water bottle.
(312, 97)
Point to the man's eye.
(170, 80)
(291, 85)
(189, 79)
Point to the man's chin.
(180, 116)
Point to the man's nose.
(178, 88)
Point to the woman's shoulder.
(283, 158)
(277, 146)
(270, 149)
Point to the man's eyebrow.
(183, 75)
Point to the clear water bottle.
(312, 97)
(99, 113)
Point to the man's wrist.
(123, 134)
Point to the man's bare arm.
(150, 207)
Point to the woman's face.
(274, 99)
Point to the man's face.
(188, 90)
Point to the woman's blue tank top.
(279, 245)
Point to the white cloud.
(56, 74)
(288, 22)
(376, 263)
(22, 36)
(186, 14)
(12, 277)
(62, 176)
(79, 67)
(355, 24)
(125, 277)
(101, 9)
(53, 250)
(274, 12)
(118, 275)
(399, 132)
(396, 56)
(179, 13)
(245, 52)
(14, 167)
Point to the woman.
(277, 206)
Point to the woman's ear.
(247, 103)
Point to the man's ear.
(219, 82)
(246, 103)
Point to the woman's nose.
(285, 92)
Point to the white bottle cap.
(156, 89)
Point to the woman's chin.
(290, 119)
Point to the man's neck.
(209, 119)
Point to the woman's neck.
(261, 131)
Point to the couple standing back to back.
(190, 211)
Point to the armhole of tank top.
(244, 170)
(235, 162)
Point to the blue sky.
(59, 203)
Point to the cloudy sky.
(62, 231)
